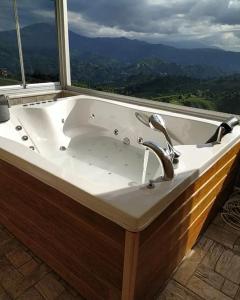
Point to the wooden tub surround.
(99, 258)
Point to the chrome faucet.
(166, 161)
(156, 122)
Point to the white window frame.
(36, 87)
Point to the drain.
(62, 148)
(92, 116)
(116, 132)
(32, 147)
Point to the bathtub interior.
(99, 140)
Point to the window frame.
(46, 86)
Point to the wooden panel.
(130, 265)
(165, 242)
(85, 248)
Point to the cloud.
(6, 16)
(210, 22)
(29, 12)
(214, 23)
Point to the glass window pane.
(9, 59)
(184, 52)
(39, 40)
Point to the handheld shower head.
(157, 122)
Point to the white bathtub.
(79, 149)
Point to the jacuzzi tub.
(75, 190)
(92, 145)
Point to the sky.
(185, 23)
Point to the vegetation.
(202, 78)
(8, 81)
(221, 94)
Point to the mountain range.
(112, 59)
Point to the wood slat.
(85, 251)
(208, 177)
(165, 242)
(130, 265)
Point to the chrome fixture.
(225, 128)
(166, 161)
(140, 140)
(156, 122)
(4, 108)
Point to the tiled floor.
(24, 276)
(211, 270)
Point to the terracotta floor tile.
(221, 235)
(229, 288)
(18, 257)
(213, 255)
(28, 267)
(175, 291)
(31, 294)
(66, 295)
(4, 236)
(205, 291)
(228, 266)
(207, 275)
(24, 284)
(190, 264)
(49, 287)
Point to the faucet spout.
(165, 159)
